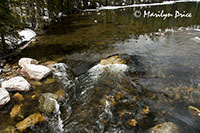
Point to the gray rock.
(47, 105)
(166, 127)
(4, 96)
(16, 84)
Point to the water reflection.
(96, 30)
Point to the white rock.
(4, 96)
(16, 84)
(37, 72)
(24, 61)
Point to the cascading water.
(63, 73)
(100, 92)
(59, 122)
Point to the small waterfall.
(63, 73)
(58, 113)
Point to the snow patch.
(26, 35)
(141, 5)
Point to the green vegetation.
(9, 24)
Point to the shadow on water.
(162, 77)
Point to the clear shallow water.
(163, 69)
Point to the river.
(163, 69)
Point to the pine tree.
(9, 24)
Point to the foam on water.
(196, 39)
(197, 30)
(63, 73)
(59, 121)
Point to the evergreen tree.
(9, 24)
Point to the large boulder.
(112, 60)
(47, 104)
(4, 96)
(24, 61)
(166, 127)
(30, 121)
(16, 84)
(36, 72)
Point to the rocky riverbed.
(123, 103)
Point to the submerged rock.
(166, 127)
(17, 96)
(9, 129)
(17, 112)
(60, 93)
(47, 105)
(4, 96)
(49, 81)
(112, 60)
(132, 122)
(16, 84)
(195, 112)
(36, 72)
(24, 61)
(30, 121)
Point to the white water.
(59, 121)
(196, 39)
(141, 5)
(96, 71)
(63, 73)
